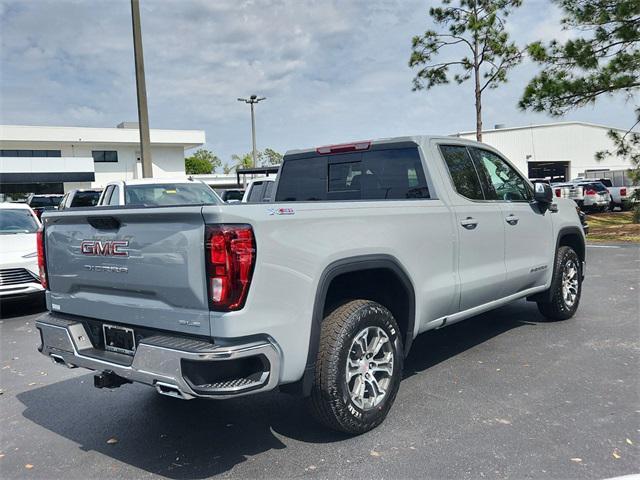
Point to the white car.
(19, 273)
(154, 192)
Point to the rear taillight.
(558, 192)
(42, 259)
(230, 256)
(623, 192)
(589, 192)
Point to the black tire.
(560, 307)
(330, 402)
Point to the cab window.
(463, 172)
(500, 180)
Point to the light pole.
(252, 100)
(141, 90)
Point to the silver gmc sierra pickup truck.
(319, 292)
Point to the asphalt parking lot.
(502, 395)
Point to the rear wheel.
(358, 368)
(566, 286)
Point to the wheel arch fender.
(335, 269)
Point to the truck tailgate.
(143, 267)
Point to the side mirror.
(543, 193)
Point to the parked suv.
(320, 292)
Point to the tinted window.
(29, 153)
(463, 173)
(597, 186)
(303, 180)
(16, 220)
(255, 195)
(392, 174)
(85, 199)
(51, 201)
(502, 181)
(104, 155)
(373, 175)
(232, 195)
(268, 191)
(160, 194)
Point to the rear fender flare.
(348, 265)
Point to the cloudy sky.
(332, 70)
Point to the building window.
(30, 153)
(104, 155)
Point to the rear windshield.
(162, 194)
(45, 201)
(18, 220)
(373, 175)
(85, 199)
(232, 195)
(597, 186)
(260, 192)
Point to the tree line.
(469, 40)
(204, 161)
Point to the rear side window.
(463, 172)
(303, 180)
(598, 187)
(85, 199)
(268, 191)
(392, 174)
(256, 193)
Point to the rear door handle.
(512, 219)
(469, 223)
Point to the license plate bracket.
(119, 339)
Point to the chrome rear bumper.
(159, 360)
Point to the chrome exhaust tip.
(59, 360)
(171, 391)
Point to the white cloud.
(332, 70)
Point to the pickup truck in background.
(320, 292)
(259, 190)
(591, 196)
(156, 192)
(80, 198)
(42, 202)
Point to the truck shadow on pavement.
(17, 307)
(200, 438)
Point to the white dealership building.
(560, 151)
(56, 159)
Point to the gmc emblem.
(108, 248)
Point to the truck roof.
(14, 205)
(418, 139)
(151, 181)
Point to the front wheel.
(566, 286)
(358, 368)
